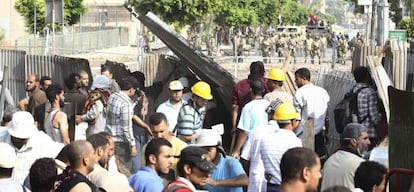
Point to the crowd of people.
(118, 144)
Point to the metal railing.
(73, 43)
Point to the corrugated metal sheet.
(20, 65)
(15, 60)
(337, 84)
(359, 56)
(401, 133)
(57, 67)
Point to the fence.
(104, 15)
(20, 65)
(337, 84)
(73, 43)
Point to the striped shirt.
(119, 118)
(190, 119)
(368, 107)
(272, 147)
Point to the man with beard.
(158, 160)
(301, 170)
(120, 109)
(84, 83)
(56, 125)
(340, 168)
(72, 83)
(100, 177)
(36, 96)
(172, 106)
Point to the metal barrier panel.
(73, 43)
(337, 84)
(359, 56)
(57, 67)
(15, 60)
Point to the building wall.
(11, 22)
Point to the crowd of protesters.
(118, 144)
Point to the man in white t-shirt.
(171, 107)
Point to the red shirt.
(241, 92)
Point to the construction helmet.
(285, 112)
(202, 89)
(276, 74)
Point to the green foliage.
(327, 17)
(407, 25)
(294, 13)
(181, 12)
(232, 13)
(72, 11)
(237, 13)
(337, 9)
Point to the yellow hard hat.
(276, 74)
(202, 89)
(285, 112)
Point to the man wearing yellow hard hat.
(275, 80)
(191, 116)
(273, 145)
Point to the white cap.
(22, 125)
(184, 81)
(208, 138)
(175, 86)
(7, 156)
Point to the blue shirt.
(170, 112)
(146, 180)
(227, 168)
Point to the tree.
(27, 8)
(237, 13)
(179, 12)
(338, 9)
(234, 13)
(407, 25)
(294, 13)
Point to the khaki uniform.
(266, 49)
(316, 50)
(308, 48)
(211, 46)
(341, 50)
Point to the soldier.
(147, 39)
(292, 46)
(189, 34)
(341, 49)
(266, 48)
(316, 50)
(241, 43)
(308, 47)
(279, 47)
(211, 45)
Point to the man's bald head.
(77, 151)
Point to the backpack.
(346, 109)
